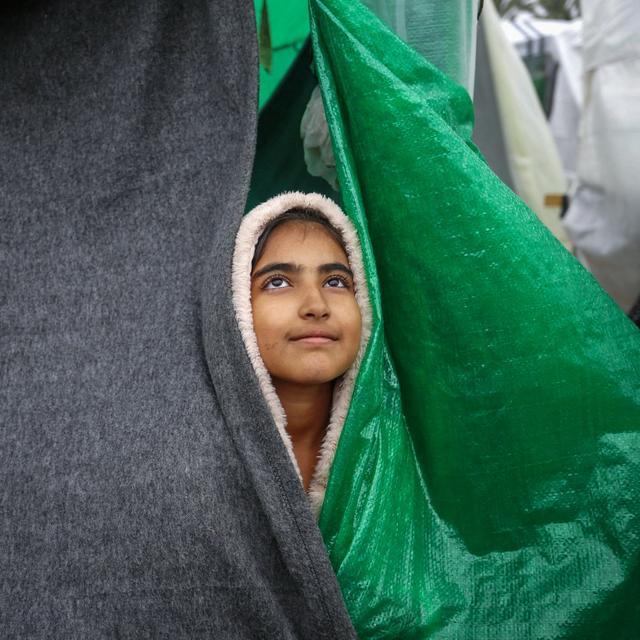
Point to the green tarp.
(279, 158)
(444, 32)
(487, 481)
(281, 39)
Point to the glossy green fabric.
(279, 155)
(487, 482)
(289, 30)
(444, 32)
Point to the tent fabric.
(279, 163)
(443, 32)
(486, 484)
(534, 161)
(634, 314)
(610, 32)
(567, 95)
(603, 220)
(144, 490)
(453, 51)
(288, 32)
(487, 131)
(561, 42)
(316, 141)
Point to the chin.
(313, 378)
(315, 373)
(314, 369)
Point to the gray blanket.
(144, 491)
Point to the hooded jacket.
(248, 235)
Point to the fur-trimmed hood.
(248, 235)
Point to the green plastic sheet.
(279, 156)
(288, 30)
(487, 482)
(443, 31)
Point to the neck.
(307, 408)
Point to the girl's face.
(305, 315)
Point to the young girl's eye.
(337, 282)
(277, 282)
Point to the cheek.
(352, 325)
(268, 324)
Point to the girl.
(300, 296)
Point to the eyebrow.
(335, 266)
(289, 267)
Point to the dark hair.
(299, 214)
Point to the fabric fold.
(487, 479)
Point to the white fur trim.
(248, 234)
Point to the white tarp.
(562, 40)
(533, 158)
(604, 218)
(610, 31)
(566, 47)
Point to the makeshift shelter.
(552, 52)
(604, 218)
(491, 453)
(283, 30)
(513, 131)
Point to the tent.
(604, 218)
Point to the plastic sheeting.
(534, 162)
(610, 31)
(279, 163)
(567, 95)
(318, 151)
(453, 51)
(416, 22)
(288, 31)
(486, 484)
(604, 218)
(487, 132)
(561, 40)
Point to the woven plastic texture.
(453, 23)
(487, 481)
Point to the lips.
(315, 337)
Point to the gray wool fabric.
(144, 490)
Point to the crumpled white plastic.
(604, 217)
(316, 141)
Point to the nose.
(314, 305)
